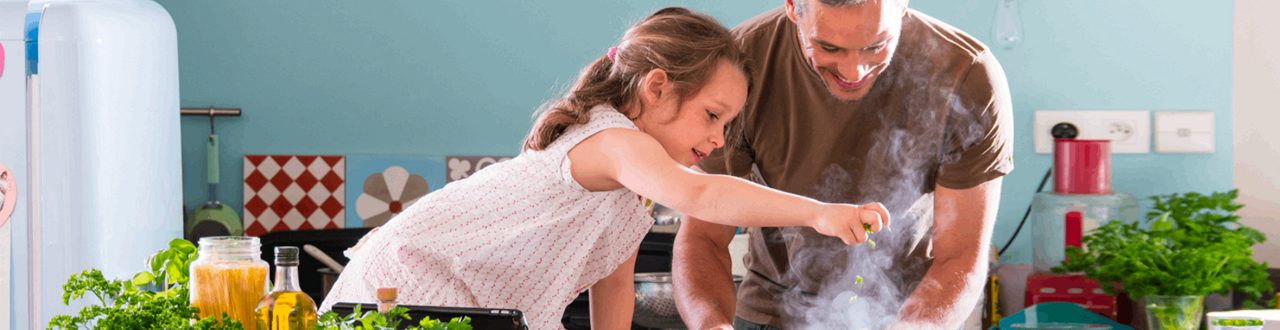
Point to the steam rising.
(898, 166)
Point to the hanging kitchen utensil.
(213, 218)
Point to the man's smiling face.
(849, 46)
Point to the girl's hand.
(846, 221)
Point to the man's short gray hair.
(800, 4)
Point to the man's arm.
(701, 274)
(613, 297)
(963, 221)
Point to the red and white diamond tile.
(293, 192)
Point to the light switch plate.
(1184, 132)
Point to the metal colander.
(655, 301)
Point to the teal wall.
(463, 77)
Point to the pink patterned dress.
(521, 234)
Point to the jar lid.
(230, 244)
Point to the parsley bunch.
(372, 319)
(1189, 245)
(156, 299)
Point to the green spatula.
(213, 218)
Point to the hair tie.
(613, 52)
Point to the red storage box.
(1070, 288)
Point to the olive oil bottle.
(286, 307)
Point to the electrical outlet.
(1129, 131)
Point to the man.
(858, 101)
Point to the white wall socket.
(1128, 130)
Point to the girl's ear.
(654, 87)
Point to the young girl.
(568, 213)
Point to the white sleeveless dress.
(521, 234)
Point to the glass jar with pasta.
(229, 277)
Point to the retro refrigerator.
(89, 120)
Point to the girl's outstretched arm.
(616, 158)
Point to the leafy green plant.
(151, 300)
(1188, 245)
(372, 319)
(169, 266)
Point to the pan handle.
(322, 257)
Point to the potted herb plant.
(1188, 246)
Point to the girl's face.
(691, 128)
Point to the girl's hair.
(686, 44)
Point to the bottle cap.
(286, 256)
(386, 294)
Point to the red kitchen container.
(1082, 166)
(1074, 288)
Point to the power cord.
(1025, 215)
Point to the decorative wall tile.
(385, 185)
(461, 167)
(293, 192)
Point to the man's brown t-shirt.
(939, 115)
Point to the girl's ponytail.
(592, 88)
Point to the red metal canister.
(1082, 166)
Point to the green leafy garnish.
(372, 319)
(870, 243)
(857, 280)
(1238, 322)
